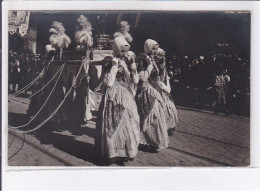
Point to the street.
(200, 139)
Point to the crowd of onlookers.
(192, 79)
(23, 68)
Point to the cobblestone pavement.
(200, 139)
(22, 154)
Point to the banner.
(18, 21)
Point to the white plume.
(58, 37)
(84, 37)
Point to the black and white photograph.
(128, 88)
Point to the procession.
(130, 96)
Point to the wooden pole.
(137, 19)
(119, 18)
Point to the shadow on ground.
(68, 143)
(65, 137)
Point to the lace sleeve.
(110, 77)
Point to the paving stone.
(200, 139)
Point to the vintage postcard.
(128, 88)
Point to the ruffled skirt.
(120, 125)
(170, 111)
(151, 109)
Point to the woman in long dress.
(118, 127)
(78, 105)
(170, 109)
(151, 105)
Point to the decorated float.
(73, 74)
(94, 54)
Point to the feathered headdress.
(124, 31)
(84, 24)
(119, 45)
(123, 24)
(83, 33)
(58, 37)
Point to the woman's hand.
(123, 64)
(133, 67)
(149, 60)
(164, 61)
(115, 62)
(166, 88)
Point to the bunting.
(18, 22)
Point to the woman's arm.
(166, 87)
(134, 73)
(110, 77)
(144, 75)
(135, 77)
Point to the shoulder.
(118, 34)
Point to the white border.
(170, 178)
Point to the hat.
(124, 23)
(130, 55)
(160, 52)
(149, 45)
(119, 45)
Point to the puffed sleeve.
(110, 77)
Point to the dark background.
(180, 33)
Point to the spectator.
(193, 84)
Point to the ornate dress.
(170, 109)
(151, 108)
(118, 126)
